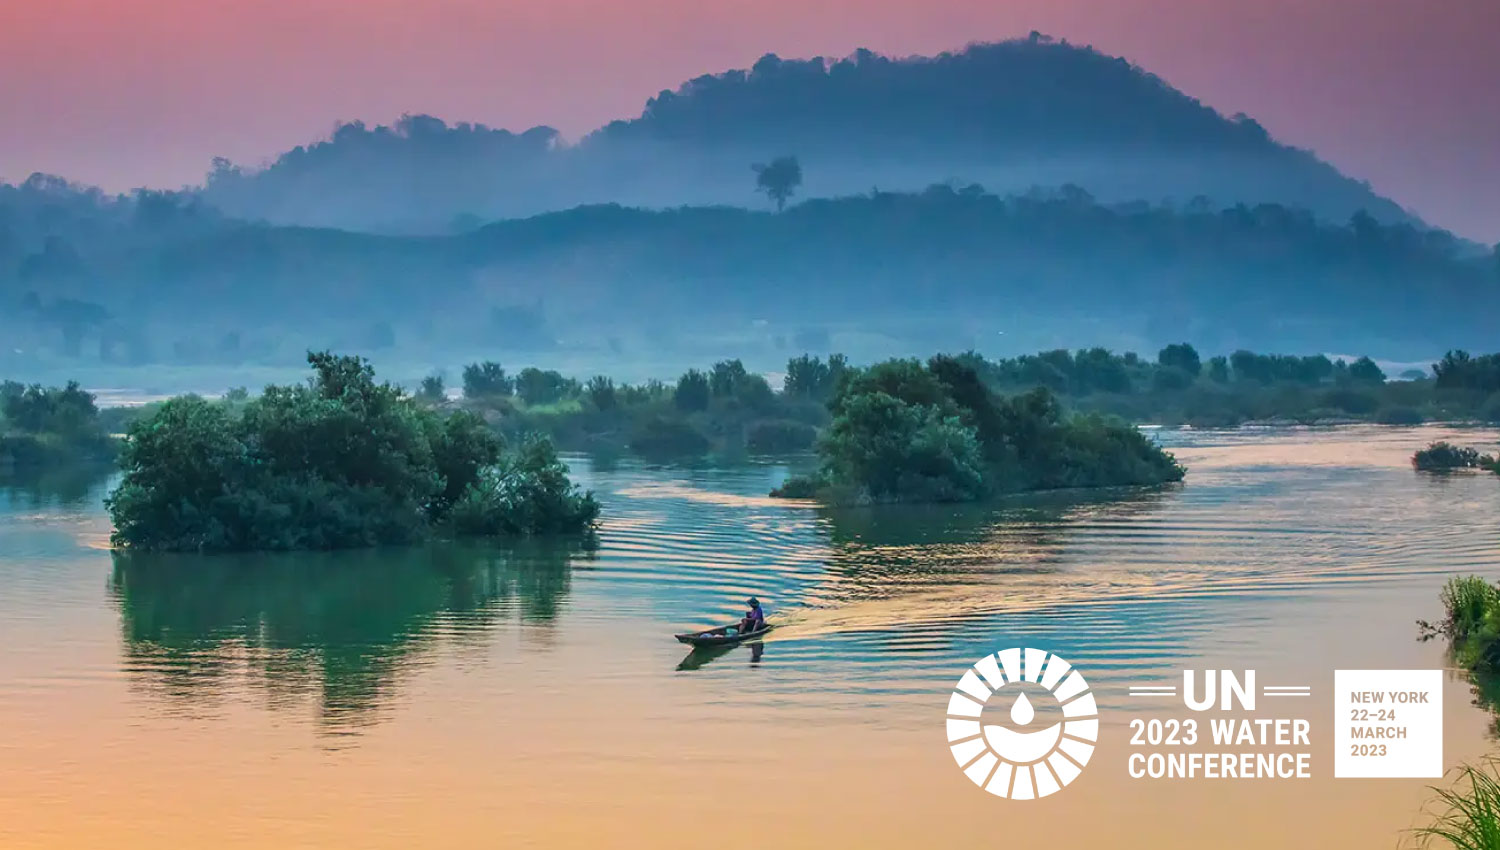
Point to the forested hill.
(1009, 116)
(156, 279)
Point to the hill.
(1009, 116)
(162, 279)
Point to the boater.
(755, 619)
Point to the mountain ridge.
(1008, 115)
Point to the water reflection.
(335, 629)
(65, 485)
(700, 656)
(890, 566)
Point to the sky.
(127, 93)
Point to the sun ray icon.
(1022, 765)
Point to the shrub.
(658, 437)
(528, 494)
(1398, 416)
(777, 436)
(1443, 455)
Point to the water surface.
(461, 695)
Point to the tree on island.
(904, 431)
(339, 462)
(778, 179)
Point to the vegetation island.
(46, 426)
(339, 462)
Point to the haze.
(126, 94)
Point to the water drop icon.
(1021, 713)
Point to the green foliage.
(486, 380)
(1458, 370)
(778, 179)
(601, 392)
(725, 378)
(1399, 415)
(1218, 369)
(1471, 624)
(1443, 455)
(904, 431)
(528, 494)
(536, 386)
(780, 436)
(1471, 817)
(1181, 356)
(432, 390)
(1364, 371)
(809, 377)
(660, 437)
(49, 426)
(1246, 386)
(1271, 368)
(693, 391)
(339, 462)
(66, 412)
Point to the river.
(467, 695)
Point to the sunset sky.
(122, 93)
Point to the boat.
(718, 636)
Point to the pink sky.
(122, 93)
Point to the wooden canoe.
(717, 637)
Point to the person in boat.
(755, 618)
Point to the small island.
(50, 426)
(340, 462)
(904, 431)
(1443, 456)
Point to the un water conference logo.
(1018, 757)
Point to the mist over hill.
(1009, 116)
(91, 284)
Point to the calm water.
(460, 696)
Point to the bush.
(658, 437)
(1352, 401)
(1398, 416)
(779, 436)
(1443, 456)
(339, 462)
(528, 494)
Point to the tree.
(809, 377)
(1218, 369)
(1364, 371)
(537, 386)
(778, 179)
(432, 389)
(601, 391)
(692, 391)
(486, 380)
(726, 377)
(1181, 356)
